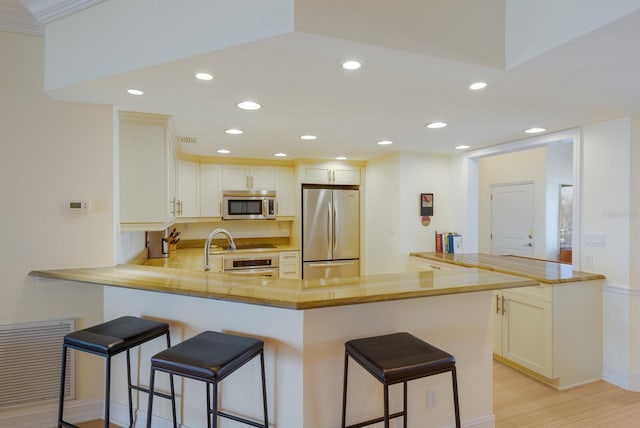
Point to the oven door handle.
(262, 273)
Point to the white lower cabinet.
(289, 264)
(552, 330)
(523, 330)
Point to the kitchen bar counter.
(304, 324)
(540, 270)
(289, 293)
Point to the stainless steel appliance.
(158, 244)
(264, 265)
(249, 205)
(330, 232)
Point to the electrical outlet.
(432, 397)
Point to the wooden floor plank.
(523, 402)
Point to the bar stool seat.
(210, 357)
(397, 358)
(107, 340)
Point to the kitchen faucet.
(207, 245)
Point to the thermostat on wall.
(78, 207)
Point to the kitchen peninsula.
(552, 331)
(304, 324)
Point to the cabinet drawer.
(421, 264)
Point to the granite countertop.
(540, 270)
(290, 293)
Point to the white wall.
(518, 167)
(605, 212)
(393, 227)
(52, 152)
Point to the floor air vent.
(30, 358)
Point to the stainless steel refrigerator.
(330, 232)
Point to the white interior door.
(512, 220)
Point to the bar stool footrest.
(239, 419)
(375, 421)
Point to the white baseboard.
(120, 416)
(482, 422)
(621, 379)
(46, 415)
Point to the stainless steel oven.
(263, 265)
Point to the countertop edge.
(117, 276)
(438, 257)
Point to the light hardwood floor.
(521, 401)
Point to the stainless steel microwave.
(249, 205)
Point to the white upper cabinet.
(330, 174)
(285, 191)
(246, 177)
(187, 184)
(147, 172)
(210, 190)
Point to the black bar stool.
(109, 339)
(210, 357)
(395, 358)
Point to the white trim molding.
(19, 20)
(46, 11)
(623, 291)
(47, 415)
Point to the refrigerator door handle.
(329, 226)
(331, 264)
(333, 230)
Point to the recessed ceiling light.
(135, 92)
(534, 130)
(385, 142)
(204, 76)
(436, 125)
(233, 131)
(462, 147)
(352, 64)
(308, 137)
(281, 155)
(224, 151)
(477, 86)
(249, 105)
(341, 158)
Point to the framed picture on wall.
(426, 204)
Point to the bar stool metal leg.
(456, 405)
(386, 406)
(344, 390)
(107, 393)
(63, 374)
(264, 390)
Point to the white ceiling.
(414, 73)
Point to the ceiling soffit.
(46, 11)
(460, 30)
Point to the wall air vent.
(30, 357)
(188, 140)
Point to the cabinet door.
(188, 189)
(235, 177)
(146, 175)
(527, 332)
(315, 175)
(285, 191)
(210, 190)
(262, 178)
(346, 175)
